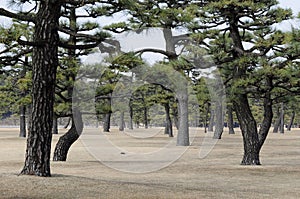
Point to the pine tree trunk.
(219, 121)
(22, 121)
(230, 120)
(121, 122)
(249, 131)
(206, 117)
(277, 122)
(211, 120)
(68, 123)
(175, 117)
(45, 62)
(64, 143)
(183, 131)
(146, 117)
(130, 118)
(282, 119)
(168, 127)
(291, 121)
(55, 125)
(106, 122)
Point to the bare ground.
(219, 175)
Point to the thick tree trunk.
(55, 125)
(169, 126)
(45, 62)
(106, 122)
(64, 143)
(249, 131)
(219, 121)
(230, 120)
(121, 122)
(22, 121)
(183, 131)
(291, 121)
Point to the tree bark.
(282, 119)
(68, 123)
(277, 122)
(211, 120)
(168, 127)
(64, 143)
(55, 125)
(22, 121)
(146, 117)
(106, 122)
(130, 118)
(45, 62)
(291, 121)
(249, 131)
(175, 117)
(219, 121)
(230, 120)
(121, 122)
(183, 131)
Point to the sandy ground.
(219, 175)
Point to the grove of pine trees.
(257, 63)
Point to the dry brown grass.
(219, 175)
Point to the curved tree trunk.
(45, 62)
(249, 131)
(64, 143)
(68, 123)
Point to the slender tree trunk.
(106, 122)
(291, 121)
(146, 117)
(168, 127)
(230, 120)
(282, 119)
(130, 118)
(45, 62)
(175, 117)
(219, 121)
(206, 117)
(55, 125)
(211, 120)
(277, 122)
(22, 121)
(64, 143)
(68, 123)
(121, 122)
